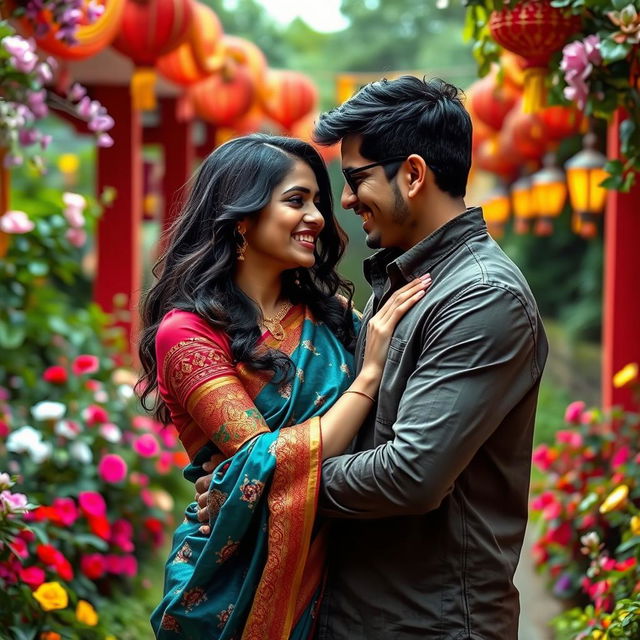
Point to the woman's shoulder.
(179, 326)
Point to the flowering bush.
(589, 520)
(99, 474)
(599, 71)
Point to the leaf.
(612, 51)
(11, 336)
(20, 633)
(628, 544)
(619, 4)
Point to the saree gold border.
(292, 506)
(206, 388)
(313, 573)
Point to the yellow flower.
(86, 614)
(596, 634)
(626, 376)
(616, 499)
(111, 638)
(635, 525)
(51, 596)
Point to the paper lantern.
(223, 98)
(525, 132)
(491, 101)
(303, 129)
(496, 210)
(200, 56)
(534, 30)
(561, 122)
(245, 53)
(150, 29)
(491, 157)
(91, 38)
(290, 96)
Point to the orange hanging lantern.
(561, 122)
(148, 30)
(223, 98)
(534, 30)
(526, 133)
(290, 96)
(524, 208)
(496, 210)
(245, 53)
(200, 55)
(91, 38)
(491, 101)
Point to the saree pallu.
(258, 574)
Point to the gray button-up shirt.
(430, 508)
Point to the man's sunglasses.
(349, 173)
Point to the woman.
(245, 334)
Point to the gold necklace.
(273, 324)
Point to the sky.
(321, 15)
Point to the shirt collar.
(422, 257)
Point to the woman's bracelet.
(361, 393)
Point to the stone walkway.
(537, 606)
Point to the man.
(430, 506)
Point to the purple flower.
(37, 103)
(101, 123)
(28, 137)
(578, 58)
(45, 75)
(12, 160)
(45, 141)
(88, 108)
(105, 140)
(77, 92)
(94, 11)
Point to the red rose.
(64, 568)
(93, 565)
(48, 554)
(55, 375)
(65, 511)
(33, 577)
(94, 414)
(100, 527)
(85, 364)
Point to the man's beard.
(399, 215)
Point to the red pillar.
(621, 314)
(119, 231)
(176, 137)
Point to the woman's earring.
(241, 248)
(296, 280)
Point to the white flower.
(442, 4)
(67, 429)
(101, 396)
(48, 410)
(125, 391)
(81, 452)
(110, 432)
(29, 440)
(5, 481)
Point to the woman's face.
(286, 230)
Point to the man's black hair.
(404, 116)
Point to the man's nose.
(347, 198)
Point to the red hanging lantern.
(223, 98)
(561, 122)
(303, 129)
(290, 96)
(492, 157)
(492, 101)
(198, 57)
(526, 133)
(245, 53)
(150, 29)
(535, 30)
(91, 38)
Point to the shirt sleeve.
(476, 363)
(195, 370)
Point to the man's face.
(377, 200)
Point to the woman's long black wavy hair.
(195, 273)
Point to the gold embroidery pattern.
(307, 344)
(226, 413)
(292, 506)
(191, 362)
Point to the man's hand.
(202, 491)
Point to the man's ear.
(417, 174)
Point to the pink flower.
(121, 534)
(146, 445)
(76, 237)
(16, 222)
(620, 457)
(543, 457)
(577, 63)
(574, 412)
(65, 511)
(142, 423)
(84, 364)
(92, 503)
(112, 468)
(105, 141)
(33, 577)
(129, 565)
(95, 414)
(12, 502)
(561, 535)
(164, 463)
(572, 438)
